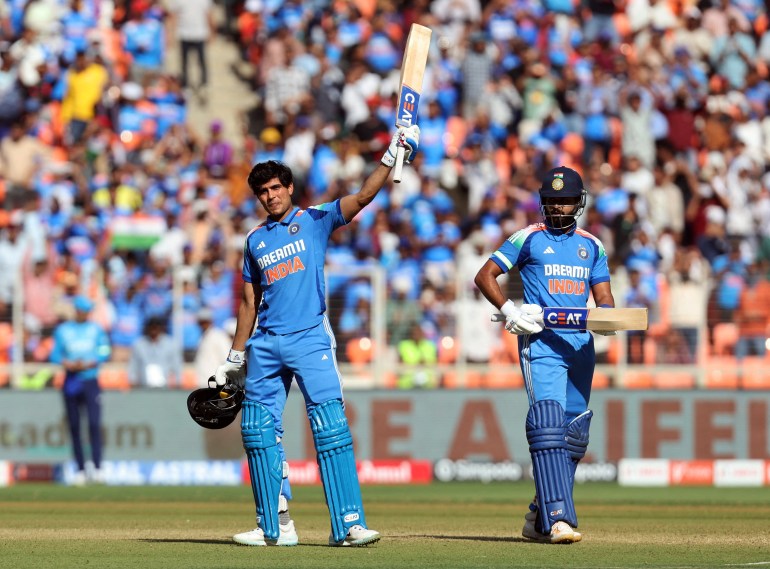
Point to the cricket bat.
(412, 71)
(605, 319)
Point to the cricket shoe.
(561, 532)
(529, 531)
(79, 479)
(357, 536)
(287, 536)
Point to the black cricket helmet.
(562, 187)
(215, 407)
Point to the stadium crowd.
(108, 190)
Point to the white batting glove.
(409, 138)
(533, 310)
(231, 370)
(518, 322)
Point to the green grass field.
(441, 525)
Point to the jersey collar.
(286, 220)
(558, 233)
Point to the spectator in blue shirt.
(76, 24)
(144, 39)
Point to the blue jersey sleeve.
(328, 215)
(600, 273)
(514, 251)
(248, 262)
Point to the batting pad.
(265, 464)
(577, 438)
(334, 445)
(551, 464)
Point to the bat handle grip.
(399, 166)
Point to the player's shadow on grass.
(223, 541)
(475, 538)
(202, 541)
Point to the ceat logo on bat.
(574, 318)
(407, 106)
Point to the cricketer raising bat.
(412, 71)
(605, 319)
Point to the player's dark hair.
(263, 172)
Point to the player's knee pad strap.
(336, 462)
(551, 464)
(577, 435)
(265, 464)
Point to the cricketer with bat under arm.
(559, 264)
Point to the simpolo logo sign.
(446, 470)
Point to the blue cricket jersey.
(287, 259)
(85, 341)
(556, 269)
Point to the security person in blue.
(560, 264)
(283, 295)
(80, 347)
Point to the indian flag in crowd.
(138, 232)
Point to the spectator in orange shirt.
(753, 312)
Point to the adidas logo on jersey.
(261, 245)
(549, 250)
(324, 358)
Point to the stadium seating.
(503, 378)
(721, 372)
(634, 379)
(448, 350)
(673, 380)
(114, 378)
(452, 380)
(600, 381)
(725, 336)
(359, 351)
(755, 372)
(189, 380)
(6, 342)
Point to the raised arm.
(409, 139)
(354, 203)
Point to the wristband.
(509, 309)
(236, 356)
(605, 306)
